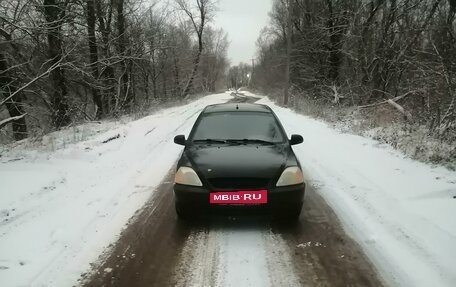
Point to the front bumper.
(279, 198)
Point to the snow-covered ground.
(61, 206)
(401, 212)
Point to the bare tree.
(93, 56)
(395, 52)
(54, 12)
(107, 70)
(288, 56)
(13, 103)
(213, 60)
(125, 96)
(54, 70)
(199, 16)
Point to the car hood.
(242, 161)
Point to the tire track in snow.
(280, 264)
(235, 253)
(243, 259)
(199, 260)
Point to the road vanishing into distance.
(157, 249)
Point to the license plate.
(239, 197)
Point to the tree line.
(62, 61)
(400, 53)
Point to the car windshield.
(245, 126)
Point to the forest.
(381, 57)
(67, 61)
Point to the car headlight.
(290, 176)
(186, 175)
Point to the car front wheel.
(290, 213)
(182, 211)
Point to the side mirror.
(180, 140)
(296, 139)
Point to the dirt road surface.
(156, 249)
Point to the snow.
(236, 255)
(61, 206)
(400, 211)
(244, 259)
(64, 202)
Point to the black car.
(238, 157)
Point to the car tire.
(182, 212)
(291, 214)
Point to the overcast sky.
(242, 20)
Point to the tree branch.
(4, 122)
(53, 67)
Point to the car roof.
(237, 107)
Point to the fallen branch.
(336, 94)
(395, 105)
(150, 131)
(11, 119)
(387, 101)
(398, 107)
(111, 138)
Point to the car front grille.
(239, 183)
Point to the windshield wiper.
(246, 141)
(209, 141)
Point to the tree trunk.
(93, 51)
(107, 73)
(288, 60)
(203, 7)
(146, 84)
(125, 95)
(154, 76)
(214, 79)
(13, 105)
(176, 76)
(337, 26)
(196, 61)
(165, 87)
(54, 12)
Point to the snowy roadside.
(400, 211)
(60, 208)
(385, 125)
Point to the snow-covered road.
(236, 254)
(158, 250)
(400, 211)
(60, 207)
